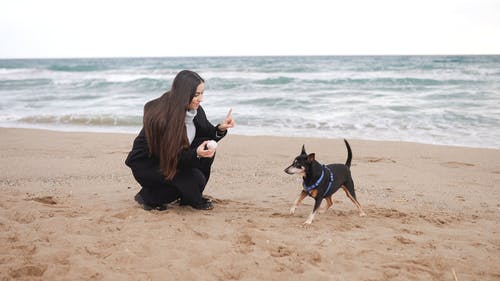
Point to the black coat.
(139, 158)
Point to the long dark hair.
(164, 121)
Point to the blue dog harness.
(318, 182)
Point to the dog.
(322, 181)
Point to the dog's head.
(301, 163)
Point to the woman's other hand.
(203, 152)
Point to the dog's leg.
(297, 201)
(310, 218)
(352, 196)
(329, 203)
(317, 203)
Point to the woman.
(169, 158)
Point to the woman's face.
(198, 97)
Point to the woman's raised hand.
(228, 121)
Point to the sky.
(156, 28)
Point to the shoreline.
(67, 212)
(125, 132)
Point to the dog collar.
(318, 182)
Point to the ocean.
(445, 100)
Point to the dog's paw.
(292, 210)
(306, 224)
(362, 214)
(309, 220)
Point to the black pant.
(187, 184)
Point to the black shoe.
(184, 203)
(207, 205)
(138, 198)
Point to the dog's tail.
(349, 154)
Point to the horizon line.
(249, 56)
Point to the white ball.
(212, 144)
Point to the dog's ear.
(310, 157)
(303, 150)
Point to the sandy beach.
(67, 213)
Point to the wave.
(23, 83)
(274, 103)
(77, 68)
(87, 120)
(450, 60)
(276, 81)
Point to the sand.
(67, 213)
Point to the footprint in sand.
(49, 200)
(388, 213)
(404, 240)
(280, 252)
(28, 270)
(220, 201)
(437, 220)
(413, 232)
(370, 159)
(127, 214)
(454, 164)
(245, 243)
(280, 215)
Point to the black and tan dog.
(322, 181)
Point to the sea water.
(449, 100)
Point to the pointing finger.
(229, 113)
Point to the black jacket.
(139, 157)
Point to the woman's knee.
(195, 176)
(149, 178)
(190, 178)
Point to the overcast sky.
(124, 28)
